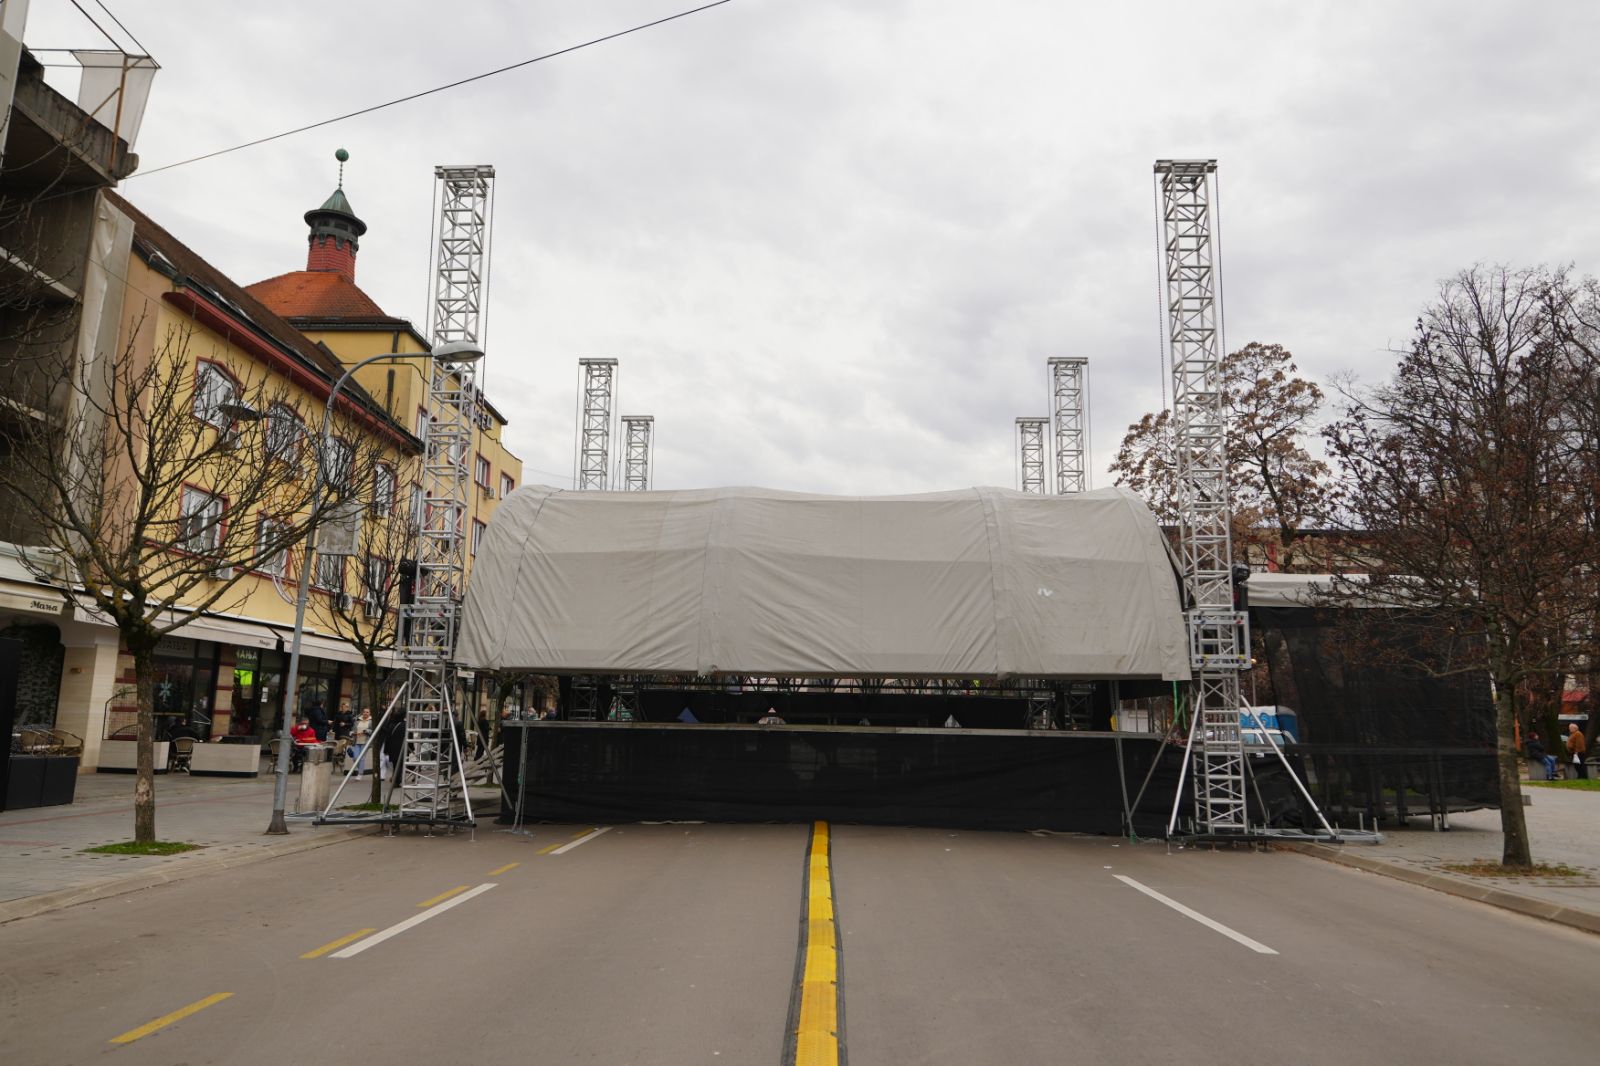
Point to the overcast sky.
(831, 243)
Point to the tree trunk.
(370, 750)
(144, 785)
(1513, 824)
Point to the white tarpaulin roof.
(974, 583)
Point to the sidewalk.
(43, 866)
(1564, 827)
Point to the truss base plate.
(1263, 835)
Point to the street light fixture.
(455, 353)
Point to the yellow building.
(325, 305)
(223, 674)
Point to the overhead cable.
(436, 89)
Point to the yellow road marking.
(581, 833)
(441, 897)
(503, 869)
(547, 850)
(817, 1031)
(333, 944)
(167, 1019)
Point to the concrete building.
(61, 246)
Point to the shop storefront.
(258, 675)
(185, 687)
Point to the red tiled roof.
(314, 294)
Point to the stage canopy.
(975, 583)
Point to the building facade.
(224, 672)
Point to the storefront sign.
(180, 646)
(45, 601)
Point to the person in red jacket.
(304, 736)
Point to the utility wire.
(437, 89)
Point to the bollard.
(315, 776)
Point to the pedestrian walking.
(317, 715)
(1577, 748)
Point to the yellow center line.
(167, 1019)
(334, 944)
(817, 1028)
(441, 897)
(582, 833)
(549, 848)
(507, 867)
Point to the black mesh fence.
(958, 778)
(1386, 727)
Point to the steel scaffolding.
(1031, 454)
(432, 788)
(1068, 378)
(637, 432)
(598, 379)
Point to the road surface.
(668, 944)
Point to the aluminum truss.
(461, 260)
(432, 786)
(594, 423)
(637, 431)
(1219, 640)
(1070, 410)
(1031, 454)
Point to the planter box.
(226, 760)
(122, 756)
(41, 781)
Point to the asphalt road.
(668, 944)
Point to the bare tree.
(151, 481)
(1278, 488)
(1462, 478)
(363, 608)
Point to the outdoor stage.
(868, 622)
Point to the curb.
(1496, 897)
(45, 902)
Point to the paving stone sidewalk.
(1563, 824)
(43, 865)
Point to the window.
(383, 490)
(419, 506)
(213, 387)
(285, 432)
(477, 535)
(422, 424)
(272, 555)
(200, 522)
(480, 472)
(329, 575)
(374, 585)
(339, 464)
(506, 485)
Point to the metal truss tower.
(1219, 640)
(594, 423)
(1069, 406)
(432, 789)
(637, 431)
(1031, 453)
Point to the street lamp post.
(454, 353)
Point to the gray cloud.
(833, 244)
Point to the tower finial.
(341, 155)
